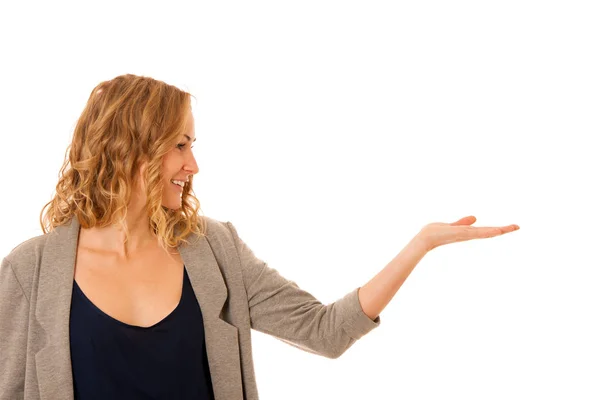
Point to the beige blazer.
(236, 291)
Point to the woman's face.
(179, 164)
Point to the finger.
(488, 231)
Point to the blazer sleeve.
(14, 309)
(280, 308)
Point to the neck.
(111, 239)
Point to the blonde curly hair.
(127, 122)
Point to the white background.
(329, 133)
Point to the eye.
(182, 145)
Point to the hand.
(437, 234)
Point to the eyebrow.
(189, 138)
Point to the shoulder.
(214, 226)
(25, 258)
(223, 235)
(218, 230)
(27, 247)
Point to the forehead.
(190, 132)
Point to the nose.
(191, 167)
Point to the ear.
(141, 178)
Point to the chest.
(141, 291)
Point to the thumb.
(465, 221)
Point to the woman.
(131, 294)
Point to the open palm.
(438, 233)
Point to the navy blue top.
(114, 360)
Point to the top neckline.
(129, 326)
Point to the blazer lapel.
(222, 346)
(53, 305)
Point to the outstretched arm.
(379, 291)
(280, 308)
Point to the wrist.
(422, 243)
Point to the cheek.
(170, 161)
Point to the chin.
(173, 204)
